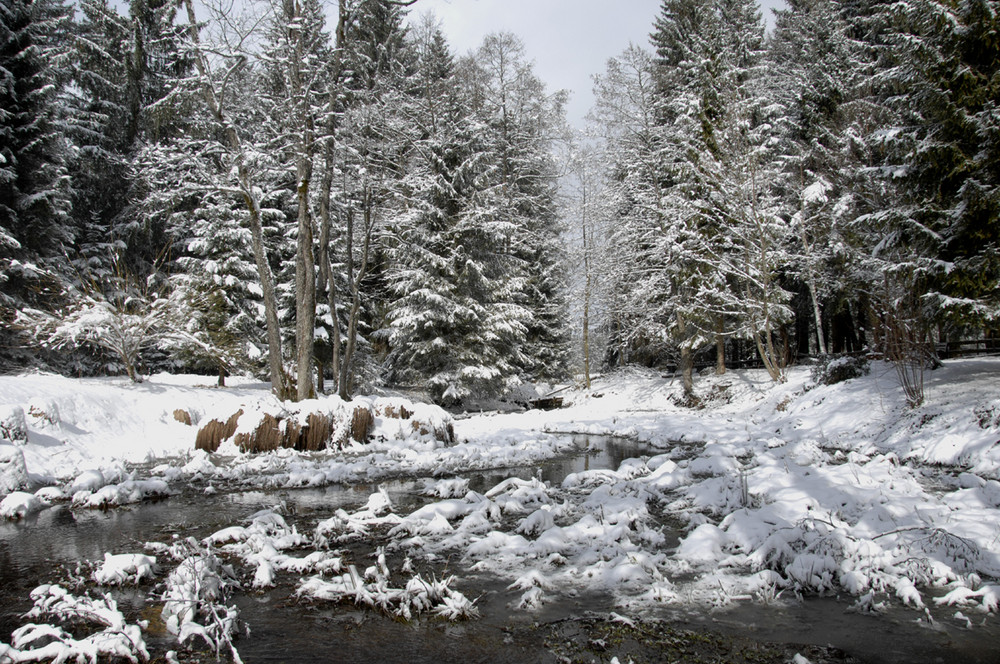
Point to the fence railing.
(947, 349)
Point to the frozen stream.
(49, 546)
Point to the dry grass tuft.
(316, 434)
(267, 437)
(394, 413)
(445, 434)
(362, 423)
(214, 432)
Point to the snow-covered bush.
(13, 473)
(12, 425)
(837, 369)
(80, 629)
(124, 326)
(196, 596)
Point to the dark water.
(47, 546)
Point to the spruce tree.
(35, 230)
(945, 154)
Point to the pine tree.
(626, 115)
(523, 121)
(373, 137)
(34, 186)
(33, 201)
(423, 313)
(101, 169)
(813, 76)
(944, 57)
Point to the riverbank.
(768, 495)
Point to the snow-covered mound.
(82, 435)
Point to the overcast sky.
(568, 40)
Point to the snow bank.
(797, 487)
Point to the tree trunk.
(720, 348)
(586, 334)
(355, 284)
(327, 283)
(586, 301)
(687, 360)
(279, 381)
(305, 295)
(300, 100)
(687, 372)
(820, 339)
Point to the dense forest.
(337, 204)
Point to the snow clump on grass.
(111, 636)
(375, 590)
(195, 598)
(20, 504)
(13, 473)
(13, 427)
(128, 492)
(124, 568)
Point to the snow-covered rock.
(19, 504)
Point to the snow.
(19, 504)
(771, 488)
(13, 472)
(125, 568)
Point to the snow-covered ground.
(769, 489)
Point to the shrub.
(838, 368)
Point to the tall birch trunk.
(279, 380)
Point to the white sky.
(568, 40)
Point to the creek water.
(48, 545)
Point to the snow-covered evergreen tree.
(625, 116)
(101, 168)
(35, 229)
(941, 83)
(522, 121)
(813, 78)
(372, 142)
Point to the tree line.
(200, 188)
(830, 187)
(335, 203)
